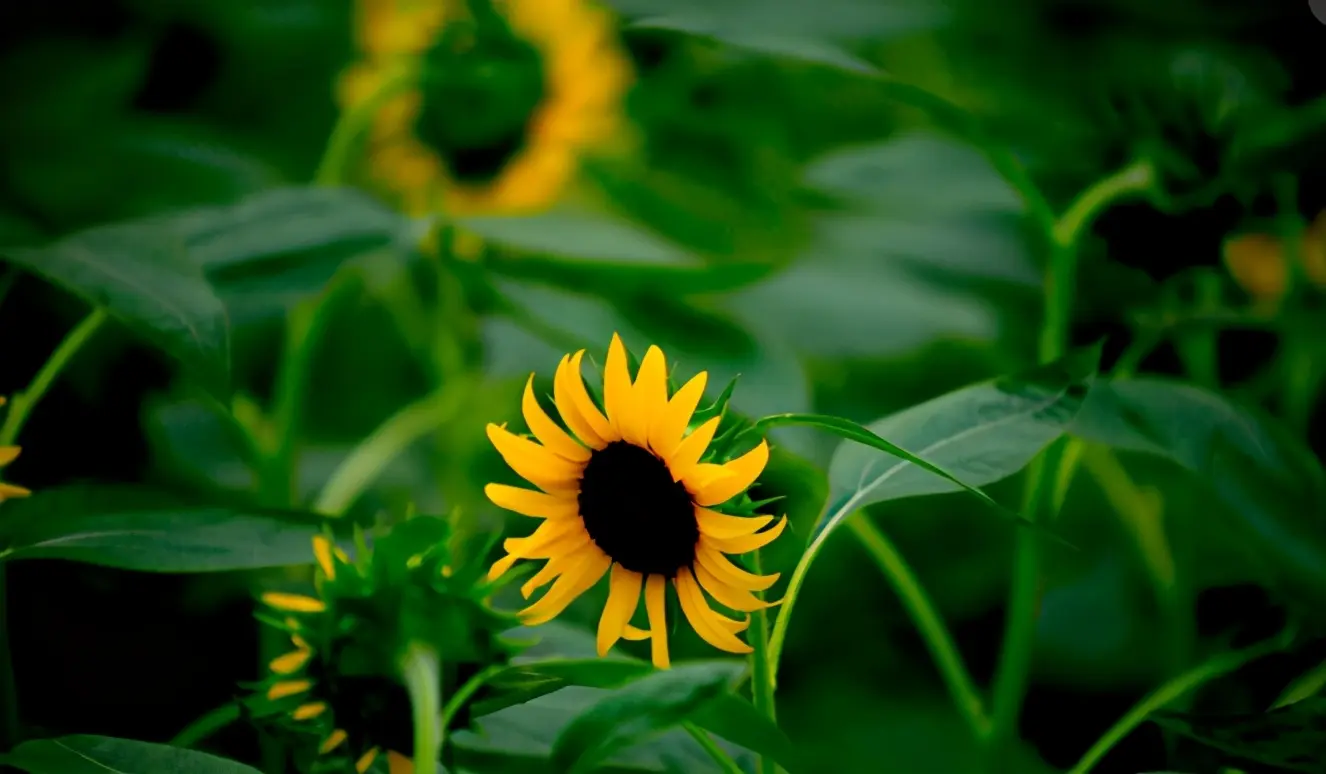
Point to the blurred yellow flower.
(7, 455)
(504, 97)
(1259, 262)
(628, 495)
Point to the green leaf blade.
(84, 754)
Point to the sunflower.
(337, 692)
(504, 97)
(627, 492)
(1259, 262)
(7, 455)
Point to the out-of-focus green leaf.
(104, 754)
(641, 708)
(1267, 478)
(142, 275)
(1289, 738)
(579, 234)
(979, 434)
(145, 530)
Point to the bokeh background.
(871, 258)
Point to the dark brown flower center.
(635, 512)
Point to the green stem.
(351, 126)
(367, 461)
(1170, 691)
(207, 725)
(466, 692)
(706, 741)
(20, 408)
(421, 671)
(1048, 471)
(762, 681)
(927, 620)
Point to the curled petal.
(549, 434)
(8, 453)
(744, 470)
(701, 616)
(747, 543)
(290, 662)
(618, 395)
(574, 582)
(577, 408)
(293, 603)
(634, 634)
(666, 429)
(729, 596)
(722, 568)
(534, 463)
(553, 568)
(552, 538)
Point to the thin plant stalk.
(718, 754)
(1045, 475)
(421, 671)
(927, 620)
(20, 408)
(762, 680)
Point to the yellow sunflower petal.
(687, 454)
(501, 566)
(290, 662)
(322, 550)
(623, 599)
(744, 470)
(552, 569)
(572, 397)
(549, 434)
(723, 569)
(552, 538)
(288, 688)
(309, 711)
(720, 525)
(747, 543)
(399, 764)
(655, 590)
(634, 634)
(293, 603)
(701, 616)
(366, 760)
(651, 389)
(333, 740)
(8, 491)
(8, 454)
(619, 398)
(1257, 262)
(574, 582)
(534, 463)
(527, 502)
(666, 429)
(563, 395)
(730, 596)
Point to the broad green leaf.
(108, 755)
(1267, 478)
(976, 435)
(1289, 738)
(149, 531)
(143, 276)
(579, 234)
(641, 708)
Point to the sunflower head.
(337, 693)
(504, 98)
(7, 455)
(635, 488)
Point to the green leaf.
(1268, 478)
(973, 436)
(142, 275)
(136, 529)
(1289, 738)
(580, 234)
(108, 755)
(644, 707)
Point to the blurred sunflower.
(337, 692)
(505, 97)
(1260, 264)
(631, 494)
(7, 455)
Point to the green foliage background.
(854, 206)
